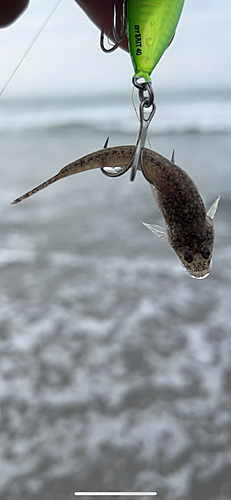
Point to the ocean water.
(115, 370)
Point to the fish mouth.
(199, 272)
(199, 275)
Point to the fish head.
(196, 255)
(196, 252)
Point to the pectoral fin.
(157, 230)
(212, 210)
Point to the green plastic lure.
(151, 25)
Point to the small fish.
(189, 229)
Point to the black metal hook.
(118, 37)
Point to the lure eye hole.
(188, 256)
(205, 252)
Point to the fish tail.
(37, 189)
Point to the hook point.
(173, 156)
(106, 143)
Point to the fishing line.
(31, 45)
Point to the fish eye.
(188, 256)
(205, 252)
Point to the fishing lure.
(189, 230)
(151, 25)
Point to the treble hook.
(118, 38)
(137, 158)
(145, 102)
(103, 48)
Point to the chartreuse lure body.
(151, 25)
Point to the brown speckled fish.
(189, 230)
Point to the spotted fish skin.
(189, 229)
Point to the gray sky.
(66, 58)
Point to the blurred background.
(114, 364)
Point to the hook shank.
(146, 97)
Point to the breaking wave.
(177, 113)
